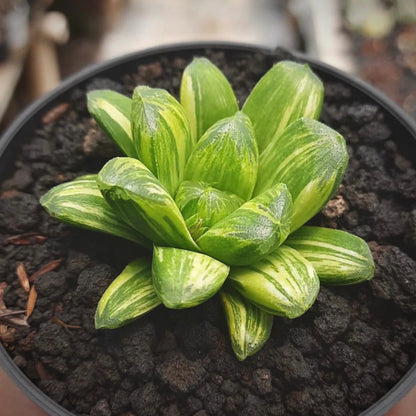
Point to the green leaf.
(287, 92)
(129, 296)
(111, 111)
(80, 203)
(310, 158)
(283, 283)
(183, 279)
(338, 257)
(162, 135)
(226, 157)
(142, 202)
(202, 206)
(206, 96)
(248, 325)
(255, 229)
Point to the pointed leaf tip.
(249, 326)
(112, 111)
(183, 279)
(161, 134)
(339, 258)
(206, 96)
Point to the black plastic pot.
(17, 133)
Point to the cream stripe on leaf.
(161, 134)
(339, 258)
(80, 203)
(226, 157)
(249, 326)
(128, 297)
(255, 229)
(287, 92)
(310, 158)
(206, 96)
(202, 206)
(111, 111)
(183, 278)
(283, 283)
(143, 202)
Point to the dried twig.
(45, 269)
(8, 316)
(24, 239)
(23, 277)
(31, 301)
(3, 286)
(62, 323)
(40, 369)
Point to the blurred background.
(44, 41)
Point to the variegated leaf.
(287, 92)
(249, 326)
(206, 96)
(80, 203)
(283, 283)
(255, 229)
(111, 111)
(202, 206)
(310, 158)
(183, 278)
(226, 157)
(161, 134)
(141, 201)
(129, 296)
(339, 258)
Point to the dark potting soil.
(352, 346)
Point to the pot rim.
(43, 104)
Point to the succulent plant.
(220, 198)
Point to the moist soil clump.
(348, 350)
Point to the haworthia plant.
(284, 94)
(80, 203)
(143, 203)
(283, 283)
(249, 326)
(183, 278)
(338, 257)
(112, 112)
(206, 96)
(202, 206)
(226, 157)
(255, 229)
(310, 158)
(161, 134)
(129, 296)
(217, 192)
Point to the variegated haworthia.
(80, 203)
(202, 206)
(225, 153)
(310, 158)
(255, 229)
(206, 96)
(217, 192)
(284, 94)
(129, 296)
(143, 203)
(283, 283)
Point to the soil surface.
(348, 350)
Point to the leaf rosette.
(222, 195)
